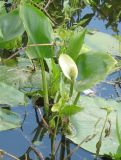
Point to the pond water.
(19, 140)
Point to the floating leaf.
(38, 29)
(14, 76)
(92, 68)
(10, 95)
(87, 125)
(9, 120)
(21, 75)
(99, 41)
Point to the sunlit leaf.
(70, 110)
(92, 68)
(9, 120)
(11, 27)
(39, 31)
(87, 125)
(75, 44)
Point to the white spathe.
(68, 66)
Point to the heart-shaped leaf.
(11, 27)
(39, 31)
(92, 68)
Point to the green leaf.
(12, 44)
(2, 7)
(118, 131)
(11, 27)
(9, 120)
(10, 95)
(70, 110)
(87, 125)
(54, 73)
(39, 31)
(92, 68)
(75, 44)
(99, 41)
(55, 108)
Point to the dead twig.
(2, 152)
(29, 45)
(47, 5)
(38, 153)
(77, 147)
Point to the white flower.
(68, 66)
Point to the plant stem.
(68, 148)
(53, 140)
(77, 98)
(99, 143)
(62, 150)
(2, 152)
(45, 88)
(71, 88)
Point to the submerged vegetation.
(49, 58)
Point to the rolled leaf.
(68, 66)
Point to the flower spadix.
(68, 66)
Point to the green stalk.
(77, 98)
(45, 88)
(53, 139)
(62, 150)
(68, 149)
(71, 88)
(99, 143)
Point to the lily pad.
(10, 96)
(9, 120)
(87, 125)
(22, 75)
(99, 41)
(14, 76)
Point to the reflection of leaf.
(38, 29)
(92, 68)
(10, 95)
(89, 122)
(8, 120)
